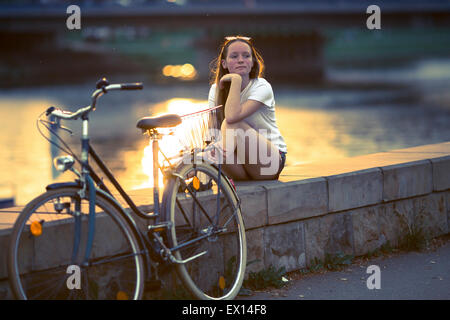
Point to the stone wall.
(353, 213)
(291, 222)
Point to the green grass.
(331, 262)
(383, 250)
(415, 238)
(270, 277)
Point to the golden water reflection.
(170, 144)
(25, 163)
(309, 135)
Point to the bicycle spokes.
(207, 222)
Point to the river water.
(359, 112)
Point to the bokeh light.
(184, 72)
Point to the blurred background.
(340, 88)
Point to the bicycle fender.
(58, 185)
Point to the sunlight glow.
(191, 133)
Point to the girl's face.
(239, 58)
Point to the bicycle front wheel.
(47, 250)
(207, 227)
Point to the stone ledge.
(307, 198)
(407, 180)
(4, 239)
(254, 208)
(441, 173)
(448, 209)
(355, 189)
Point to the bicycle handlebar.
(132, 86)
(67, 115)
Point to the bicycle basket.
(195, 132)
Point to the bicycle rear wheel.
(214, 224)
(48, 245)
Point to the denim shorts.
(283, 162)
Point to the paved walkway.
(404, 276)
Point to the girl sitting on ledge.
(252, 144)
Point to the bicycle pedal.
(159, 227)
(153, 285)
(206, 186)
(177, 261)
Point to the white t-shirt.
(264, 118)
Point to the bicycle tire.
(219, 273)
(43, 259)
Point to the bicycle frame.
(145, 241)
(88, 175)
(116, 184)
(161, 242)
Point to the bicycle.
(196, 227)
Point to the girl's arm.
(234, 110)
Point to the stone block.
(427, 214)
(284, 246)
(254, 207)
(448, 209)
(391, 223)
(432, 214)
(330, 234)
(407, 180)
(255, 250)
(441, 173)
(356, 189)
(4, 239)
(200, 269)
(366, 230)
(5, 290)
(297, 200)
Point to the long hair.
(218, 71)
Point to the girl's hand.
(229, 77)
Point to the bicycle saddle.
(164, 121)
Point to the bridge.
(212, 14)
(286, 31)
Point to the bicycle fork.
(91, 221)
(88, 184)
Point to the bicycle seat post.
(155, 137)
